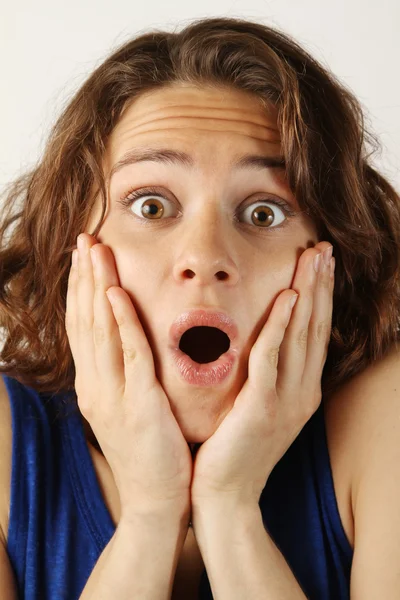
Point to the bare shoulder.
(357, 418)
(365, 419)
(5, 459)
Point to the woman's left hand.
(278, 397)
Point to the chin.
(195, 433)
(197, 429)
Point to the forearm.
(240, 557)
(139, 561)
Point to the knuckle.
(301, 338)
(321, 331)
(86, 407)
(316, 402)
(99, 335)
(273, 356)
(129, 353)
(325, 282)
(98, 284)
(308, 411)
(85, 324)
(83, 399)
(311, 405)
(120, 318)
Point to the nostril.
(221, 275)
(189, 274)
(204, 344)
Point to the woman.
(221, 373)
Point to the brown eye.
(264, 216)
(157, 206)
(152, 208)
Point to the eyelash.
(129, 198)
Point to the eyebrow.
(175, 157)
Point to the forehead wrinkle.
(247, 126)
(132, 132)
(197, 116)
(134, 126)
(255, 137)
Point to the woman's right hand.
(118, 392)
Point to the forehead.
(181, 112)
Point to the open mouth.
(204, 344)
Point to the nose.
(205, 254)
(203, 271)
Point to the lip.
(204, 374)
(203, 318)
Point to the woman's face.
(209, 248)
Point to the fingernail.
(293, 300)
(332, 267)
(75, 258)
(328, 255)
(111, 296)
(316, 262)
(290, 305)
(81, 243)
(94, 257)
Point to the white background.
(47, 49)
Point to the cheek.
(141, 272)
(277, 272)
(137, 278)
(137, 270)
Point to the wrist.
(224, 501)
(166, 515)
(223, 508)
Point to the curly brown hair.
(324, 143)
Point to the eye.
(264, 216)
(152, 208)
(156, 206)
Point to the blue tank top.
(59, 523)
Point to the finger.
(107, 341)
(71, 303)
(293, 353)
(86, 369)
(263, 360)
(320, 329)
(138, 360)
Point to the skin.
(173, 264)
